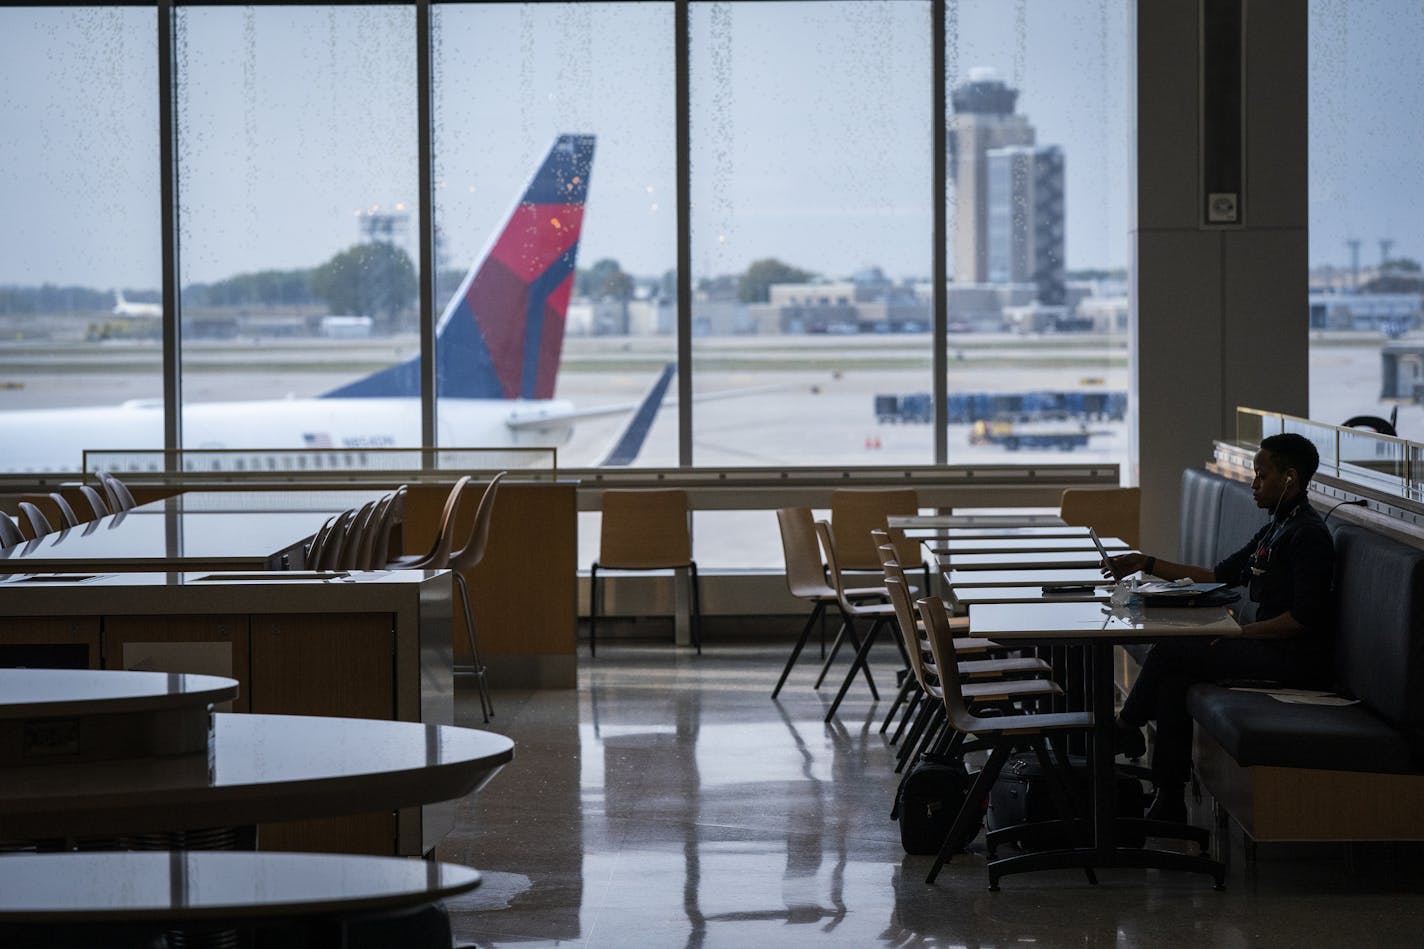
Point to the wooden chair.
(392, 514)
(855, 512)
(468, 557)
(806, 579)
(929, 737)
(348, 555)
(877, 613)
(316, 549)
(95, 500)
(66, 513)
(1112, 512)
(120, 498)
(644, 529)
(34, 519)
(1002, 734)
(444, 535)
(330, 554)
(9, 531)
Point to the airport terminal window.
(298, 198)
(1366, 209)
(576, 298)
(80, 202)
(812, 165)
(1038, 230)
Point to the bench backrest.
(1379, 644)
(1218, 517)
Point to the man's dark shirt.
(1296, 557)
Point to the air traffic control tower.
(983, 119)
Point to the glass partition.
(1366, 225)
(81, 351)
(556, 223)
(812, 173)
(297, 203)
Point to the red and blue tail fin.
(502, 334)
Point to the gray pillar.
(1220, 315)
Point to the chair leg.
(901, 696)
(486, 702)
(856, 665)
(593, 611)
(816, 614)
(977, 793)
(909, 716)
(835, 648)
(696, 609)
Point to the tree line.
(377, 279)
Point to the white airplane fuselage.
(49, 439)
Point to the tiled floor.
(669, 802)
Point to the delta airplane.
(124, 308)
(498, 346)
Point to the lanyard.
(1262, 557)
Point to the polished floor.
(669, 802)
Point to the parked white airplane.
(125, 308)
(498, 347)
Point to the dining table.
(1097, 628)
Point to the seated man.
(1287, 626)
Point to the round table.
(59, 900)
(260, 768)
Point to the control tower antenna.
(1386, 245)
(1354, 243)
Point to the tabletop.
(1070, 621)
(249, 502)
(1024, 577)
(260, 768)
(971, 596)
(990, 531)
(30, 693)
(955, 546)
(126, 541)
(1024, 560)
(196, 885)
(1043, 519)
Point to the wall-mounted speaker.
(1223, 113)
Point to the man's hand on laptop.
(1125, 564)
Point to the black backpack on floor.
(929, 802)
(1021, 795)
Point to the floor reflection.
(669, 802)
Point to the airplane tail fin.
(502, 333)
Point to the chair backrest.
(317, 548)
(1112, 512)
(34, 517)
(644, 529)
(834, 571)
(393, 514)
(335, 538)
(946, 662)
(96, 501)
(66, 512)
(439, 556)
(120, 499)
(366, 546)
(9, 531)
(349, 556)
(469, 556)
(926, 672)
(805, 573)
(855, 512)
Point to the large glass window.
(298, 225)
(555, 176)
(80, 272)
(1038, 242)
(811, 232)
(1366, 214)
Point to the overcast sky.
(811, 139)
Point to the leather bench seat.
(1256, 729)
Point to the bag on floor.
(1021, 795)
(930, 801)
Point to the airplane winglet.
(630, 441)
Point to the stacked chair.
(9, 531)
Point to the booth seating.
(1288, 772)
